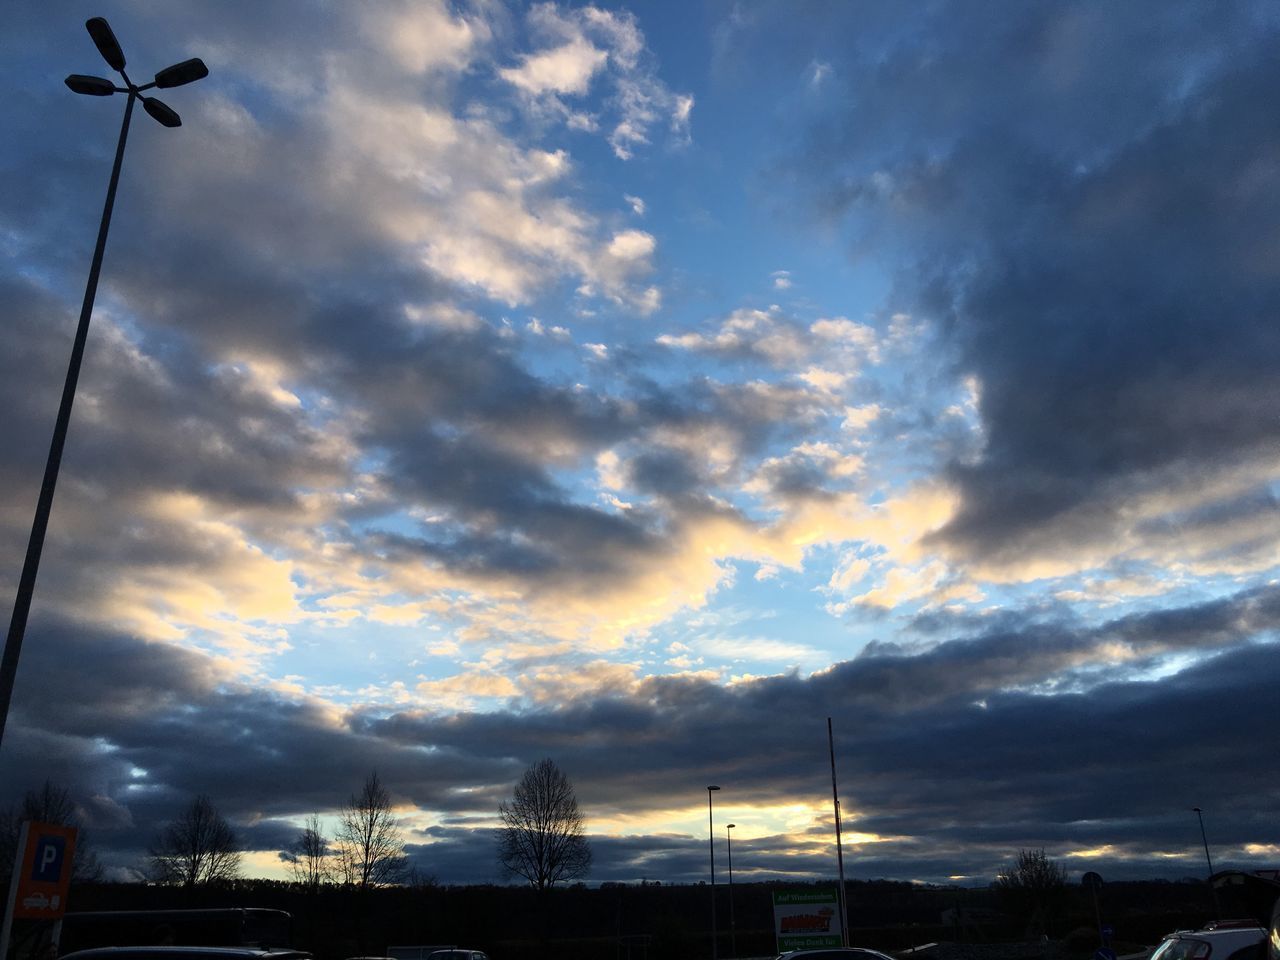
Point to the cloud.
(1098, 276)
(937, 785)
(566, 69)
(242, 507)
(819, 73)
(587, 43)
(425, 36)
(763, 334)
(631, 245)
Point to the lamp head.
(713, 788)
(106, 42)
(90, 86)
(185, 72)
(161, 112)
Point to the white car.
(834, 953)
(1219, 940)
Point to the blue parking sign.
(50, 854)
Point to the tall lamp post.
(711, 847)
(1217, 911)
(733, 928)
(174, 76)
(842, 899)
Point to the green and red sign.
(806, 919)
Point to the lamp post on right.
(711, 847)
(1217, 911)
(733, 927)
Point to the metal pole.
(733, 927)
(1217, 910)
(1097, 916)
(27, 582)
(711, 846)
(6, 925)
(835, 799)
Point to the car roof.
(194, 912)
(1225, 936)
(808, 951)
(1254, 929)
(187, 953)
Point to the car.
(220, 927)
(457, 953)
(834, 953)
(188, 953)
(1218, 940)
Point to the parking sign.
(40, 885)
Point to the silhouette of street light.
(106, 43)
(711, 846)
(91, 86)
(733, 930)
(174, 76)
(181, 73)
(1217, 911)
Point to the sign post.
(41, 876)
(1094, 882)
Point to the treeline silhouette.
(638, 922)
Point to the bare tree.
(542, 837)
(1033, 888)
(49, 804)
(370, 849)
(196, 847)
(309, 857)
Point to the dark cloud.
(1091, 226)
(955, 754)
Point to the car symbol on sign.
(37, 901)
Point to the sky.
(640, 386)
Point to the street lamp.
(1205, 840)
(733, 931)
(711, 846)
(174, 76)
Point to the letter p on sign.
(49, 856)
